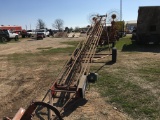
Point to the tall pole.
(26, 27)
(120, 10)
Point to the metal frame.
(71, 83)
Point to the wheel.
(3, 39)
(138, 42)
(16, 38)
(92, 77)
(114, 55)
(29, 35)
(156, 43)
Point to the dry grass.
(132, 84)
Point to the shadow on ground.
(34, 39)
(41, 115)
(77, 104)
(155, 48)
(107, 63)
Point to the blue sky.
(72, 12)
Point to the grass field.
(132, 84)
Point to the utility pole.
(120, 10)
(121, 18)
(26, 27)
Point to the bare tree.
(40, 24)
(58, 24)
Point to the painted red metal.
(14, 28)
(19, 114)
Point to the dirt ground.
(20, 82)
(31, 45)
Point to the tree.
(70, 29)
(58, 24)
(66, 29)
(77, 29)
(40, 24)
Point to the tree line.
(58, 25)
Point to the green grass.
(19, 56)
(62, 50)
(151, 72)
(74, 43)
(45, 51)
(150, 69)
(121, 89)
(58, 50)
(125, 44)
(44, 48)
(125, 95)
(122, 42)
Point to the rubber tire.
(114, 55)
(3, 39)
(29, 35)
(16, 38)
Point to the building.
(130, 25)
